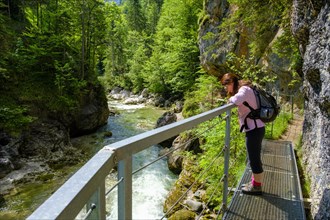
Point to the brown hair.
(231, 77)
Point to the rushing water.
(152, 184)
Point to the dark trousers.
(253, 140)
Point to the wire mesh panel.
(281, 198)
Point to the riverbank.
(25, 189)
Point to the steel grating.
(281, 197)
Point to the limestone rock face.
(311, 26)
(212, 54)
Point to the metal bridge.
(86, 188)
(282, 198)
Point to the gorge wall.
(310, 25)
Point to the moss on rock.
(183, 214)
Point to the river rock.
(200, 194)
(159, 101)
(6, 166)
(167, 104)
(165, 119)
(44, 138)
(145, 93)
(178, 107)
(134, 100)
(185, 180)
(175, 159)
(115, 90)
(174, 162)
(194, 205)
(27, 173)
(183, 215)
(9, 155)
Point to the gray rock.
(194, 205)
(178, 107)
(6, 166)
(175, 159)
(311, 27)
(165, 119)
(93, 114)
(145, 93)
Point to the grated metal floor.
(282, 197)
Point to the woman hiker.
(240, 91)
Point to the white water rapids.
(152, 184)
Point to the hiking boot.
(249, 189)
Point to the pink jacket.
(245, 93)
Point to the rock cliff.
(48, 139)
(311, 26)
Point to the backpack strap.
(248, 105)
(248, 116)
(244, 125)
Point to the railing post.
(96, 205)
(125, 189)
(226, 165)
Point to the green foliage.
(152, 45)
(304, 177)
(203, 97)
(115, 56)
(278, 127)
(263, 17)
(135, 17)
(138, 51)
(50, 65)
(172, 67)
(246, 68)
(212, 134)
(14, 118)
(286, 47)
(3, 47)
(151, 9)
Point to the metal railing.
(87, 185)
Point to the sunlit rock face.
(311, 26)
(212, 52)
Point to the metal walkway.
(282, 197)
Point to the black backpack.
(267, 109)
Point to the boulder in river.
(166, 119)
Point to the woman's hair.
(231, 77)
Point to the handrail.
(87, 185)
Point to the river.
(150, 186)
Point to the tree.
(173, 66)
(151, 10)
(57, 53)
(115, 60)
(138, 52)
(135, 18)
